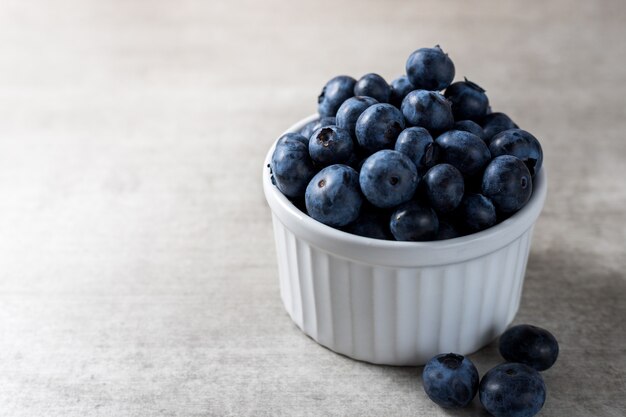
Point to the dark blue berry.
(476, 212)
(512, 390)
(291, 136)
(334, 93)
(507, 182)
(469, 126)
(494, 123)
(418, 145)
(388, 178)
(371, 223)
(444, 187)
(446, 231)
(330, 145)
(378, 127)
(400, 87)
(350, 110)
(291, 166)
(415, 222)
(427, 109)
(530, 345)
(469, 101)
(466, 151)
(521, 144)
(373, 85)
(430, 69)
(450, 380)
(333, 197)
(311, 127)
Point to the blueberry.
(311, 127)
(400, 87)
(476, 212)
(494, 123)
(373, 85)
(418, 145)
(507, 182)
(413, 221)
(291, 136)
(371, 223)
(450, 380)
(430, 69)
(378, 127)
(291, 166)
(333, 197)
(512, 390)
(388, 178)
(521, 144)
(427, 109)
(469, 101)
(444, 187)
(446, 231)
(466, 151)
(351, 109)
(469, 126)
(530, 345)
(330, 145)
(334, 93)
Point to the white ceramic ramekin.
(399, 303)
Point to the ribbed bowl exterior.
(399, 316)
(400, 303)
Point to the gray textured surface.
(137, 266)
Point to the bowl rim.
(396, 253)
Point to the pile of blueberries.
(512, 389)
(403, 161)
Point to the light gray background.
(137, 264)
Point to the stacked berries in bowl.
(403, 214)
(403, 161)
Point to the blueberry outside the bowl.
(333, 197)
(464, 150)
(350, 110)
(512, 390)
(427, 109)
(330, 145)
(373, 85)
(430, 69)
(378, 127)
(334, 93)
(521, 144)
(450, 380)
(507, 183)
(388, 178)
(414, 222)
(530, 345)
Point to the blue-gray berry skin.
(464, 150)
(371, 223)
(373, 85)
(447, 231)
(450, 380)
(414, 222)
(333, 196)
(388, 178)
(419, 146)
(311, 127)
(494, 123)
(330, 145)
(476, 212)
(351, 109)
(291, 136)
(521, 144)
(427, 109)
(378, 127)
(334, 93)
(507, 183)
(400, 87)
(469, 101)
(291, 166)
(430, 69)
(512, 390)
(469, 126)
(530, 345)
(444, 185)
